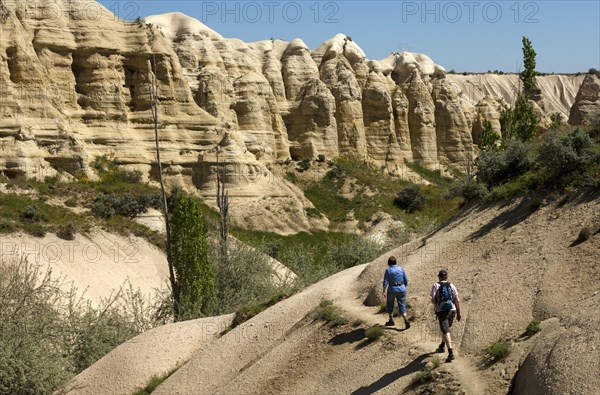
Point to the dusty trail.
(417, 337)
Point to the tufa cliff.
(75, 79)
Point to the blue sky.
(460, 35)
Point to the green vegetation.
(154, 382)
(372, 191)
(436, 361)
(316, 256)
(410, 199)
(330, 313)
(423, 376)
(189, 252)
(528, 74)
(489, 138)
(498, 350)
(246, 312)
(374, 333)
(533, 327)
(584, 234)
(48, 335)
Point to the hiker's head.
(443, 274)
(392, 261)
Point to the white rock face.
(77, 87)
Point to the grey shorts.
(445, 319)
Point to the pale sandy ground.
(97, 264)
(510, 264)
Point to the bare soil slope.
(511, 263)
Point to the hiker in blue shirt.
(394, 288)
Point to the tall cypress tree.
(529, 73)
(189, 251)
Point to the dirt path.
(462, 367)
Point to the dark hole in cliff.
(78, 70)
(13, 67)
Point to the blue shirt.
(395, 274)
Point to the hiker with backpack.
(444, 296)
(395, 281)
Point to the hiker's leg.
(390, 304)
(447, 339)
(402, 305)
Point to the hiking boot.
(390, 323)
(440, 348)
(450, 358)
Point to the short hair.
(443, 273)
(392, 260)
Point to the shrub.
(374, 333)
(245, 281)
(535, 204)
(30, 213)
(533, 327)
(559, 156)
(468, 188)
(330, 313)
(67, 232)
(495, 167)
(489, 138)
(47, 334)
(71, 202)
(320, 158)
(410, 199)
(519, 122)
(423, 376)
(584, 234)
(126, 204)
(436, 361)
(291, 176)
(498, 350)
(303, 165)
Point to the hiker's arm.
(385, 284)
(457, 303)
(405, 278)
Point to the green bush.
(330, 313)
(559, 156)
(410, 199)
(303, 165)
(533, 327)
(584, 234)
(245, 281)
(495, 167)
(374, 332)
(520, 122)
(423, 376)
(436, 361)
(47, 334)
(498, 350)
(125, 204)
(66, 232)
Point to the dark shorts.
(445, 319)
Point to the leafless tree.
(223, 204)
(154, 108)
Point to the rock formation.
(75, 84)
(586, 108)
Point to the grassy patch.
(533, 327)
(423, 376)
(154, 382)
(498, 350)
(330, 313)
(584, 234)
(246, 312)
(436, 361)
(374, 191)
(374, 333)
(36, 217)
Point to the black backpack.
(444, 297)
